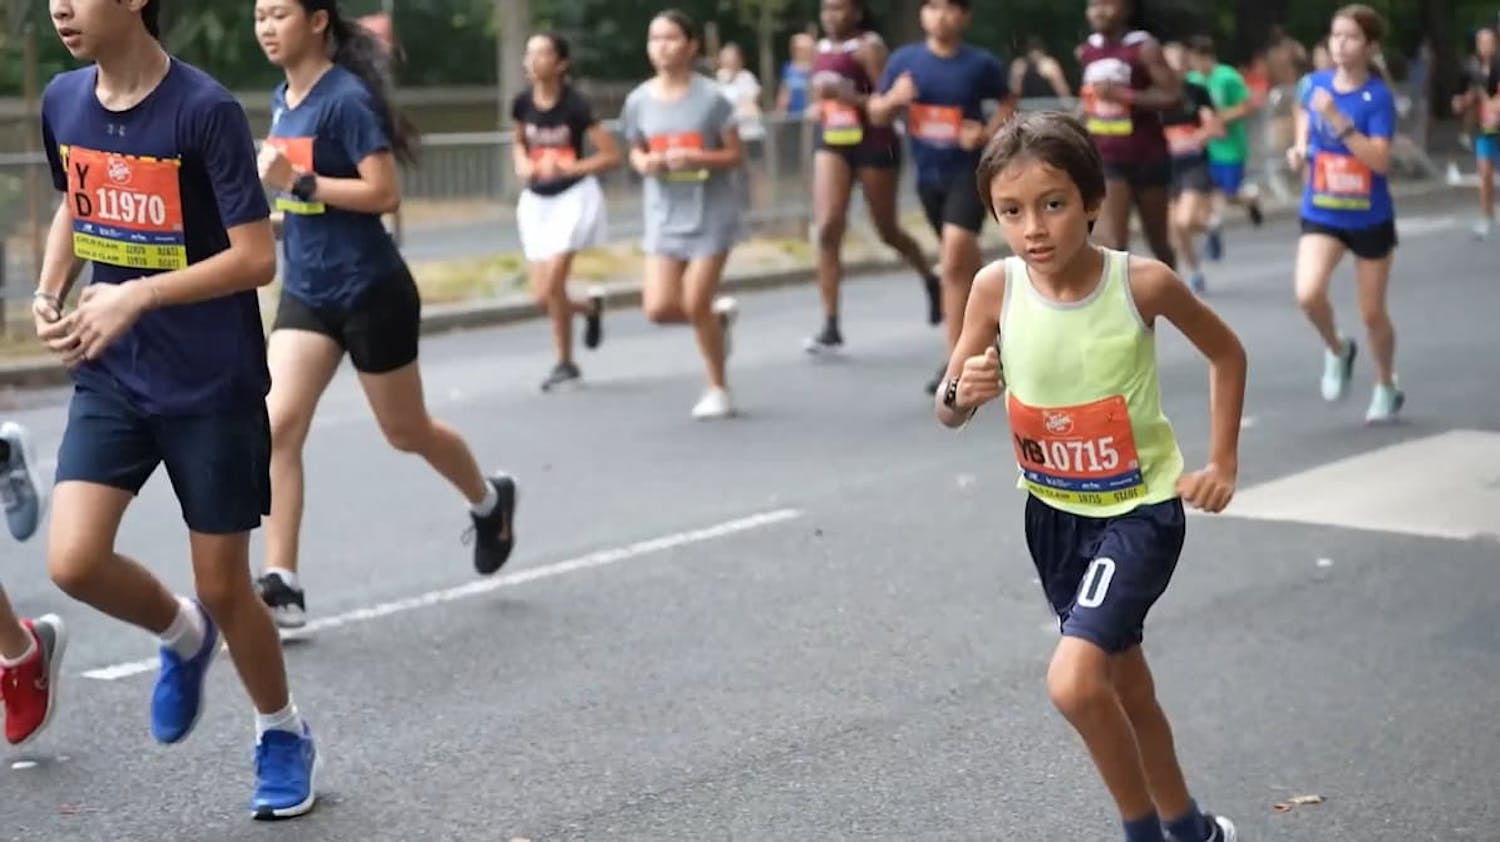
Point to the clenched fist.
(980, 382)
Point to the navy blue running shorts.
(1102, 575)
(219, 464)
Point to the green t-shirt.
(1228, 89)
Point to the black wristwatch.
(305, 186)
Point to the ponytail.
(357, 50)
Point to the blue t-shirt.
(1341, 192)
(333, 256)
(949, 91)
(796, 80)
(153, 189)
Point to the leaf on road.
(1296, 801)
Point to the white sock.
(287, 719)
(185, 635)
(287, 577)
(24, 657)
(486, 507)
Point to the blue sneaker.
(285, 765)
(20, 493)
(1213, 244)
(177, 699)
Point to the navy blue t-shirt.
(153, 189)
(949, 91)
(333, 256)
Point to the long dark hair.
(151, 17)
(357, 50)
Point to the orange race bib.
(1077, 454)
(1341, 182)
(561, 156)
(299, 151)
(935, 124)
(1184, 140)
(679, 140)
(841, 123)
(127, 211)
(1105, 119)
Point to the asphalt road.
(818, 621)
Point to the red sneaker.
(28, 689)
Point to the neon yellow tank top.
(1082, 396)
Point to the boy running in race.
(1075, 327)
(850, 59)
(941, 84)
(1228, 152)
(1344, 130)
(1190, 127)
(31, 651)
(161, 194)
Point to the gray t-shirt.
(688, 210)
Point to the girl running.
(331, 158)
(851, 58)
(1479, 103)
(1074, 325)
(1344, 129)
(684, 143)
(1126, 87)
(1188, 128)
(30, 650)
(562, 208)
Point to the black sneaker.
(494, 534)
(1257, 218)
(288, 604)
(934, 288)
(562, 374)
(593, 330)
(824, 341)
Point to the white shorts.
(571, 221)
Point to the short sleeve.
(357, 129)
(721, 114)
(893, 68)
(222, 136)
(54, 155)
(630, 119)
(995, 84)
(518, 108)
(1235, 91)
(1382, 119)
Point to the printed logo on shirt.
(299, 151)
(1082, 454)
(550, 143)
(127, 210)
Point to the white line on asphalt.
(599, 558)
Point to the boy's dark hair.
(151, 17)
(1202, 45)
(1056, 139)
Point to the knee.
(1078, 694)
(288, 433)
(71, 567)
(1375, 317)
(1311, 298)
(222, 591)
(829, 232)
(407, 436)
(890, 233)
(700, 311)
(659, 312)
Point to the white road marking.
(599, 558)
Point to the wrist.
(144, 294)
(304, 186)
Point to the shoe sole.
(213, 654)
(287, 619)
(28, 455)
(266, 814)
(54, 668)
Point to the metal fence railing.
(466, 179)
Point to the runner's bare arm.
(249, 262)
(1053, 72)
(981, 329)
(1166, 86)
(871, 56)
(1373, 152)
(606, 153)
(519, 159)
(731, 155)
(59, 267)
(376, 189)
(1159, 293)
(1004, 110)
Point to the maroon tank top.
(1124, 135)
(841, 126)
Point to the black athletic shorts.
(1191, 175)
(859, 156)
(380, 331)
(1141, 175)
(1373, 243)
(954, 203)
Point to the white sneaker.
(728, 311)
(1224, 830)
(1337, 369)
(714, 404)
(1481, 229)
(1385, 403)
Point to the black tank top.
(1034, 85)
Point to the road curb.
(623, 294)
